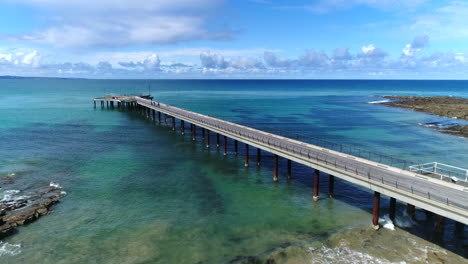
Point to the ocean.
(137, 192)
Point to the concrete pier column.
(182, 127)
(107, 102)
(392, 209)
(102, 104)
(259, 156)
(203, 133)
(159, 117)
(173, 123)
(439, 224)
(246, 155)
(207, 138)
(236, 147)
(194, 132)
(316, 184)
(275, 168)
(112, 104)
(289, 169)
(94, 104)
(154, 115)
(411, 209)
(331, 185)
(165, 119)
(225, 145)
(375, 211)
(217, 140)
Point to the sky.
(303, 39)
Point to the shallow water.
(140, 193)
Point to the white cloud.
(151, 64)
(109, 23)
(29, 59)
(216, 61)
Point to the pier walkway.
(443, 198)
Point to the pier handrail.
(397, 178)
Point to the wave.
(342, 254)
(7, 249)
(379, 102)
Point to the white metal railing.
(441, 170)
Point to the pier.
(435, 193)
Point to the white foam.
(343, 254)
(404, 220)
(378, 102)
(11, 174)
(385, 222)
(8, 195)
(55, 185)
(7, 249)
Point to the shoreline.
(444, 106)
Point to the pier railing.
(442, 171)
(315, 154)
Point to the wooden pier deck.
(434, 195)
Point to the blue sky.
(314, 39)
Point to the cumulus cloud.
(151, 63)
(417, 45)
(217, 61)
(32, 58)
(107, 23)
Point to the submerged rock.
(19, 210)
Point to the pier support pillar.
(194, 132)
(289, 169)
(225, 145)
(275, 168)
(203, 133)
(112, 104)
(207, 138)
(159, 117)
(246, 155)
(375, 211)
(182, 127)
(165, 119)
(236, 147)
(173, 123)
(392, 209)
(154, 115)
(439, 225)
(94, 104)
(331, 185)
(217, 140)
(107, 102)
(316, 184)
(411, 209)
(259, 156)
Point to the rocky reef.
(20, 207)
(453, 107)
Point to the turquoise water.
(139, 193)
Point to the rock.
(453, 107)
(28, 208)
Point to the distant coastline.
(452, 107)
